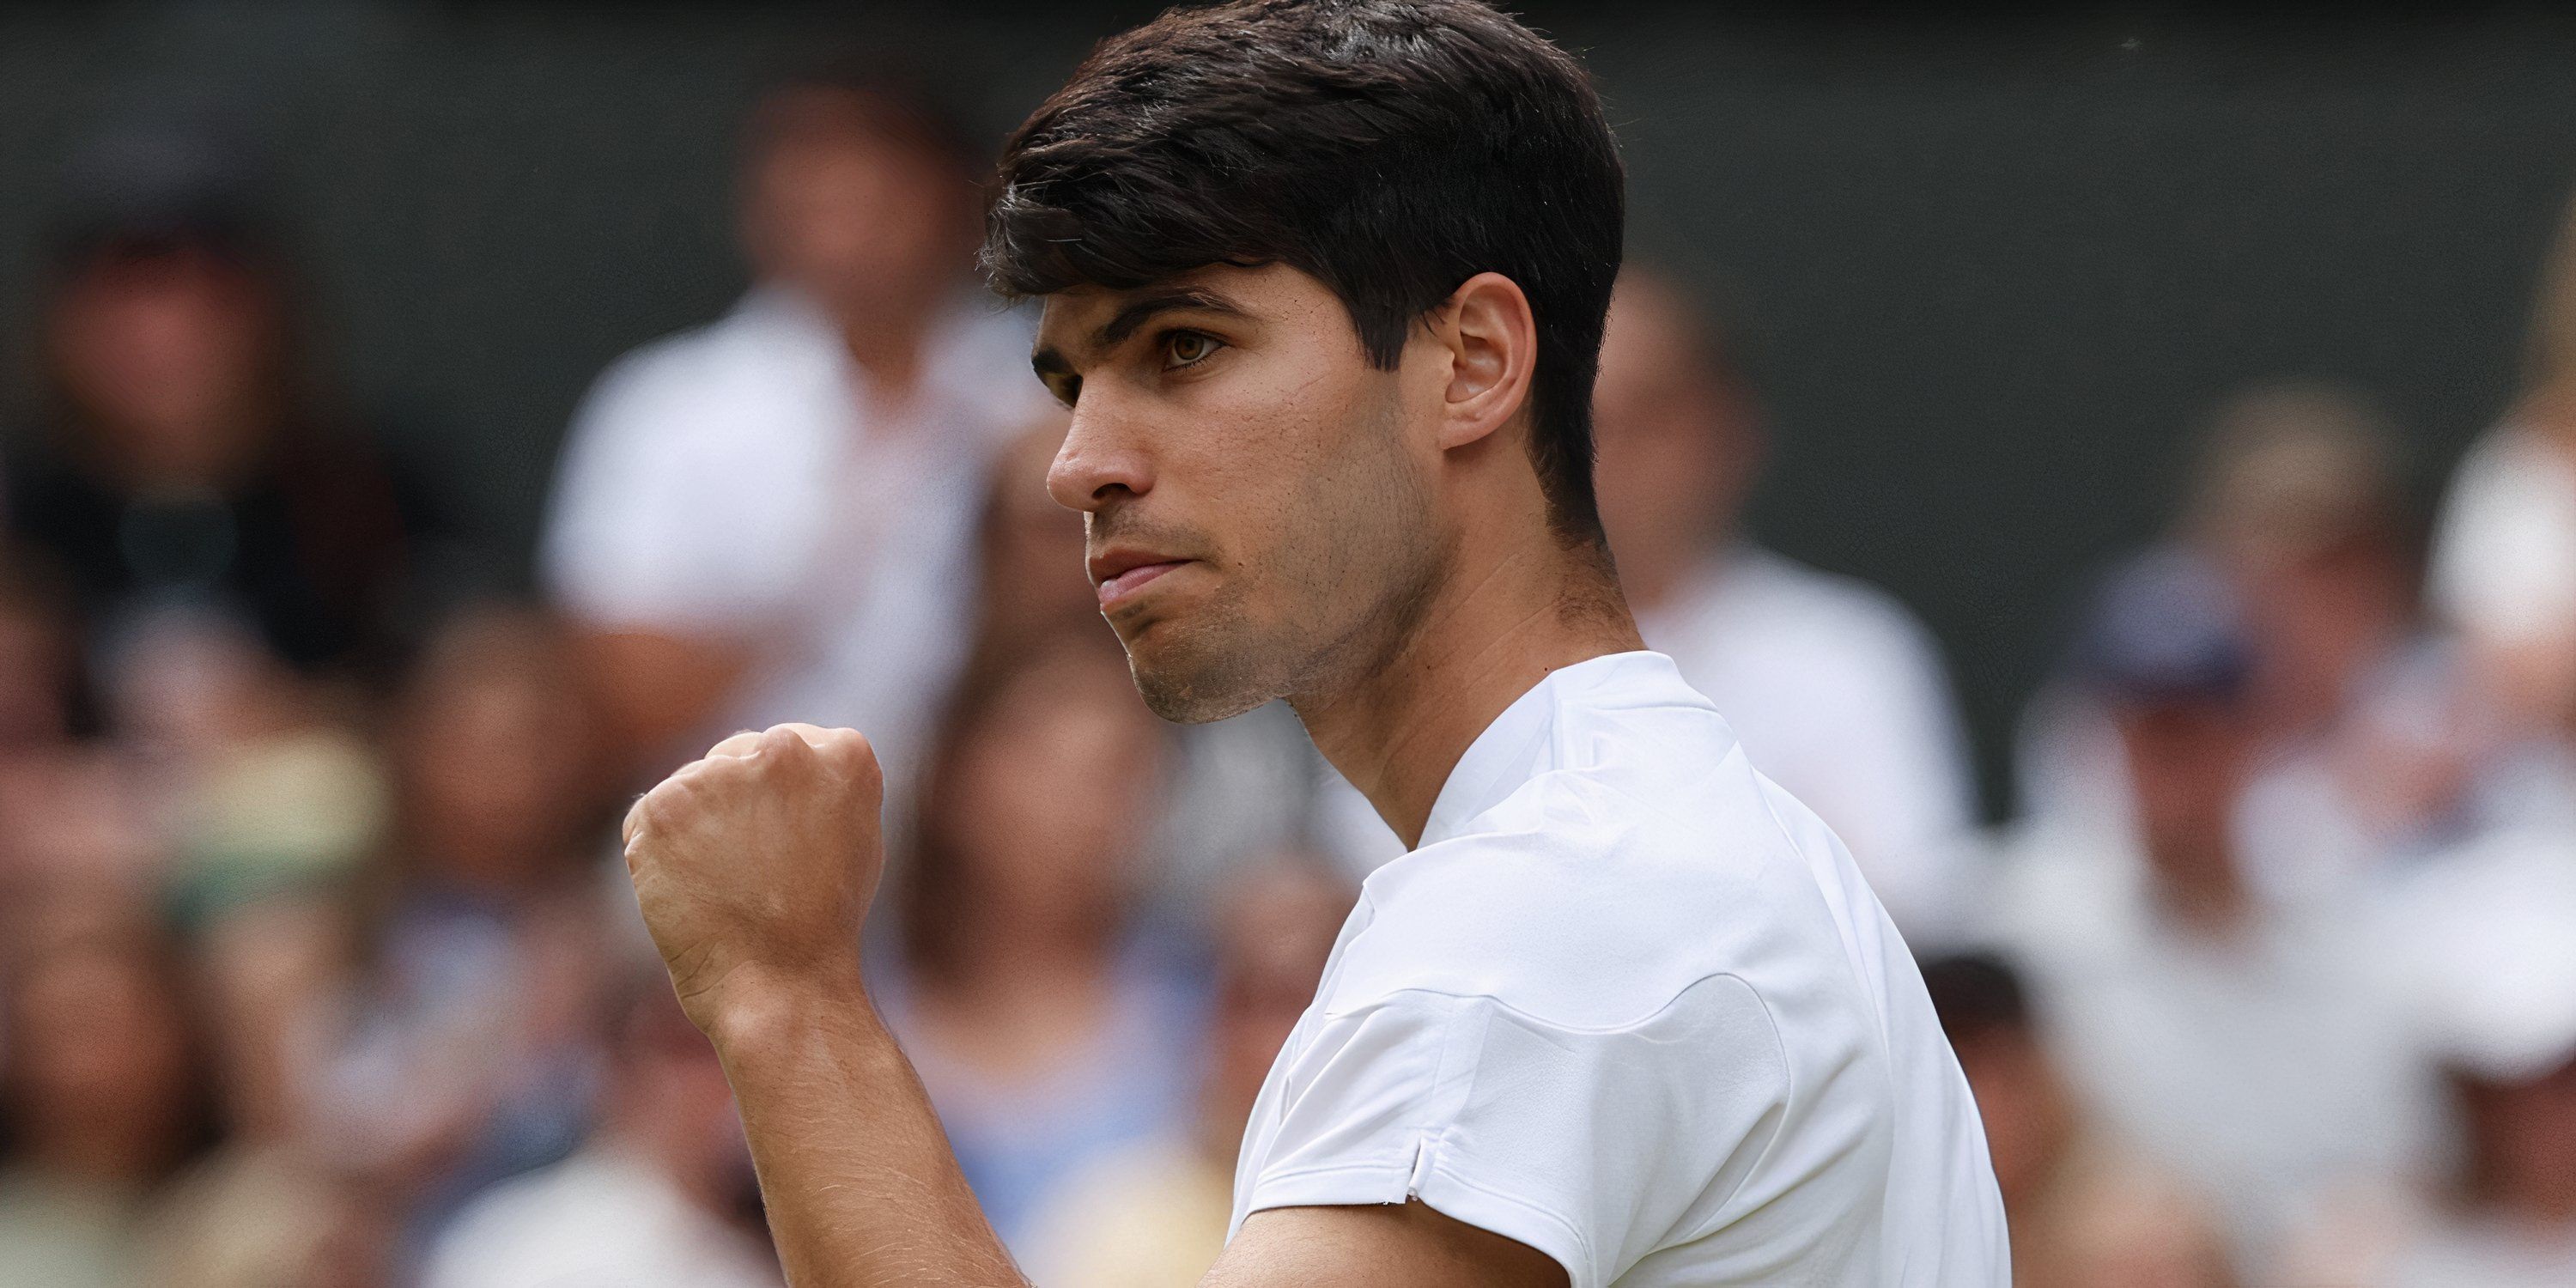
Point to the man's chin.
(1187, 684)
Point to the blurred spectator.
(261, 785)
(770, 518)
(187, 454)
(2297, 501)
(2493, 950)
(1154, 1215)
(42, 695)
(269, 1209)
(1030, 580)
(2086, 1211)
(2504, 572)
(2504, 555)
(1049, 1025)
(71, 812)
(661, 1197)
(105, 1095)
(468, 1054)
(2254, 1047)
(2359, 763)
(1835, 689)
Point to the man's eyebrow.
(1142, 310)
(1048, 362)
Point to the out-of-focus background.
(2119, 467)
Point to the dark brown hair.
(1392, 149)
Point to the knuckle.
(852, 751)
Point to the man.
(1324, 290)
(773, 515)
(1837, 692)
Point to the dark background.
(1988, 273)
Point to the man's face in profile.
(1258, 497)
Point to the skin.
(1371, 545)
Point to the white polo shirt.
(1632, 1005)
(743, 483)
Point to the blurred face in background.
(495, 751)
(1052, 796)
(2187, 761)
(102, 1075)
(1676, 440)
(840, 204)
(165, 355)
(1032, 548)
(2298, 504)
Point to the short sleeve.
(1596, 1147)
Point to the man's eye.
(1188, 348)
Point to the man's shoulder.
(1582, 904)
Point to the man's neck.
(1397, 726)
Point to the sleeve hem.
(1445, 1192)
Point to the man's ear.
(1493, 350)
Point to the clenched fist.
(755, 864)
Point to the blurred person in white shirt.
(2255, 1047)
(2504, 553)
(772, 515)
(661, 1195)
(1837, 691)
(2504, 570)
(2493, 952)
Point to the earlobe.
(1493, 343)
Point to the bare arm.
(754, 868)
(860, 1184)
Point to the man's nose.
(1098, 464)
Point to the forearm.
(861, 1187)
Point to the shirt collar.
(1514, 748)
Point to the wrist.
(756, 1008)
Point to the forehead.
(1074, 320)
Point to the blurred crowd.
(318, 966)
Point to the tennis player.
(1324, 283)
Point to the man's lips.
(1133, 578)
